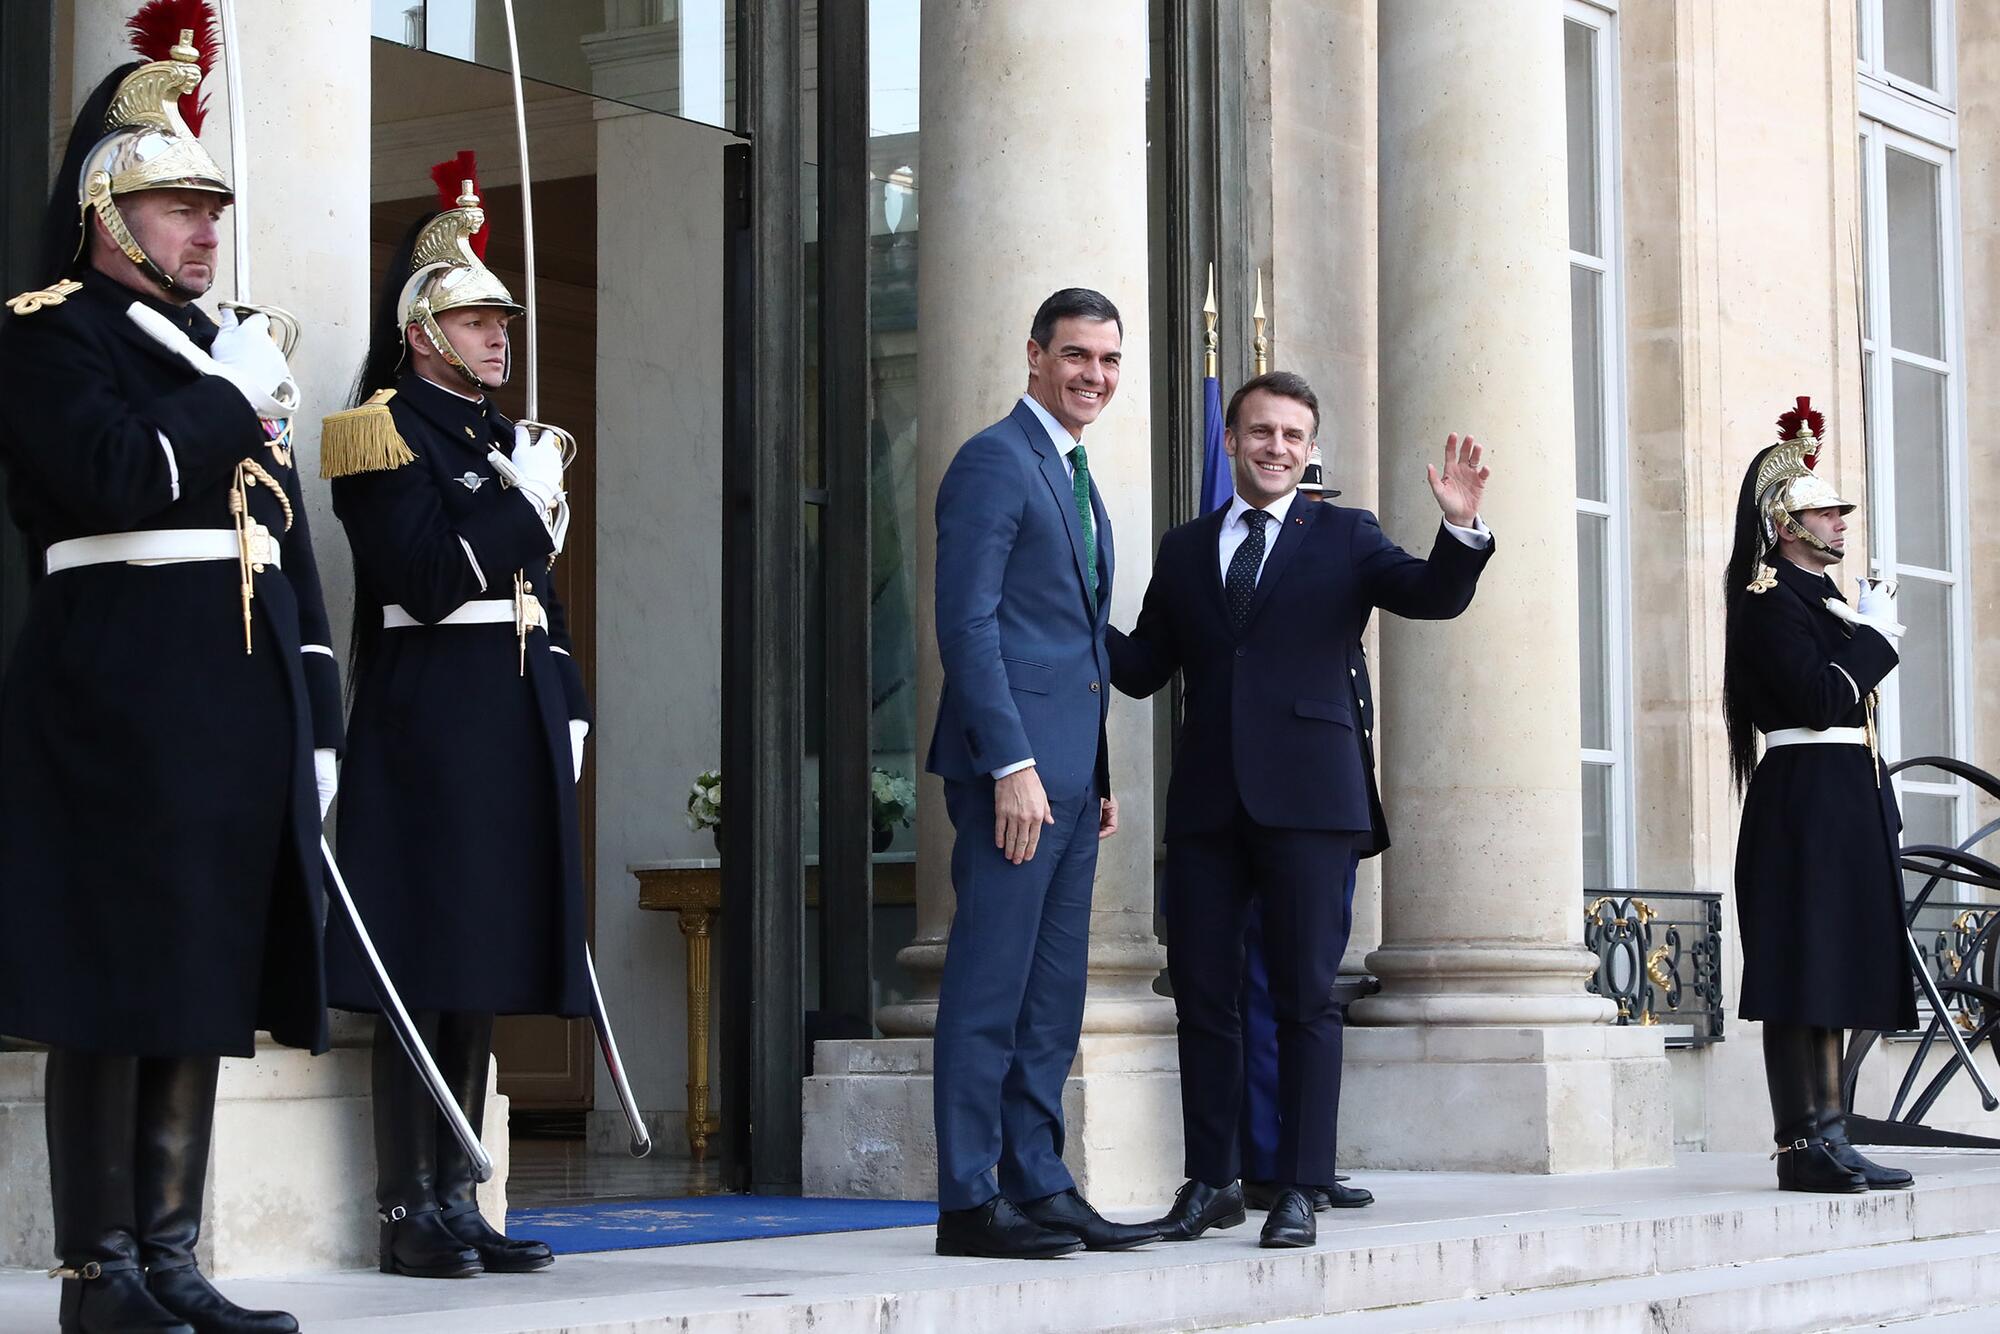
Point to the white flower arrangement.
(705, 801)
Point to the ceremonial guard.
(1818, 893)
(460, 829)
(171, 713)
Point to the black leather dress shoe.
(1809, 1165)
(186, 1291)
(1067, 1211)
(1338, 1196)
(996, 1230)
(1198, 1207)
(1877, 1176)
(1291, 1221)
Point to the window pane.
(1867, 297)
(1597, 826)
(1906, 40)
(1580, 83)
(1586, 341)
(1929, 817)
(1592, 552)
(1916, 301)
(1923, 524)
(1923, 682)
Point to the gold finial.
(467, 196)
(1208, 316)
(1260, 346)
(184, 50)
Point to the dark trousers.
(1259, 1127)
(1298, 880)
(1010, 1006)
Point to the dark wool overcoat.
(458, 821)
(1818, 893)
(160, 888)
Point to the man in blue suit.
(1023, 582)
(1258, 605)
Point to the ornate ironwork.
(1659, 957)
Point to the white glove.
(245, 356)
(578, 730)
(1877, 601)
(326, 773)
(536, 471)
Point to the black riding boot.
(176, 1123)
(91, 1106)
(1827, 1067)
(415, 1240)
(1793, 1071)
(464, 1053)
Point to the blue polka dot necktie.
(1241, 585)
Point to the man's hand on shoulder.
(1020, 809)
(1462, 485)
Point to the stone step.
(1897, 1287)
(1702, 1234)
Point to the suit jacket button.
(1093, 687)
(1240, 652)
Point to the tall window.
(1911, 341)
(1590, 65)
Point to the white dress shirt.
(1064, 442)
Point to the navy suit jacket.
(1025, 665)
(1269, 711)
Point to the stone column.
(1483, 973)
(1015, 207)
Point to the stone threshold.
(1434, 1240)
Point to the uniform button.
(1093, 687)
(469, 435)
(1367, 735)
(1353, 671)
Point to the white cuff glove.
(578, 730)
(245, 355)
(1888, 628)
(535, 470)
(326, 774)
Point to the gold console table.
(692, 887)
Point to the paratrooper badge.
(29, 302)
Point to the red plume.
(157, 27)
(1803, 414)
(451, 176)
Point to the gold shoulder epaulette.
(362, 439)
(29, 302)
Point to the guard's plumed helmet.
(447, 266)
(1787, 482)
(149, 132)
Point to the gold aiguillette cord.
(253, 540)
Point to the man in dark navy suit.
(1023, 580)
(1258, 606)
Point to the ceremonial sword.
(600, 1019)
(287, 328)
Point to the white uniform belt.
(159, 544)
(483, 611)
(1808, 736)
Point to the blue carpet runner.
(623, 1225)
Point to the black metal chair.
(1965, 1000)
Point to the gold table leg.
(695, 924)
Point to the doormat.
(624, 1225)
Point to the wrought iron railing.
(1659, 957)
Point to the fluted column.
(1013, 210)
(1482, 922)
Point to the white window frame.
(1868, 56)
(1601, 16)
(1924, 129)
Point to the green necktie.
(1080, 486)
